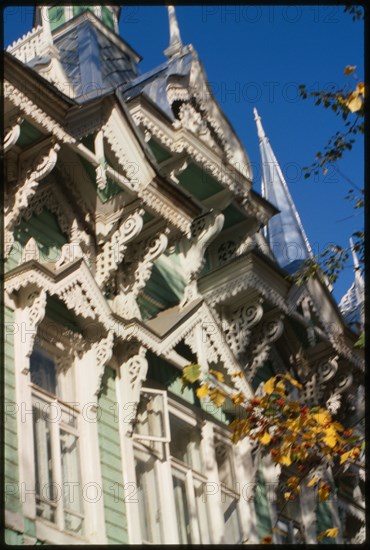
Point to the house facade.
(135, 245)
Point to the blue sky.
(257, 56)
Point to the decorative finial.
(175, 46)
(260, 130)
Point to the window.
(151, 434)
(163, 438)
(188, 482)
(168, 449)
(229, 492)
(56, 444)
(151, 521)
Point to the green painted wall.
(232, 216)
(56, 17)
(29, 134)
(56, 311)
(11, 474)
(110, 461)
(165, 285)
(107, 17)
(158, 151)
(79, 9)
(44, 228)
(198, 182)
(13, 537)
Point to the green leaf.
(191, 373)
(360, 342)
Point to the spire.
(175, 46)
(284, 231)
(352, 303)
(260, 130)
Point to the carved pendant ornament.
(203, 231)
(112, 252)
(238, 324)
(27, 185)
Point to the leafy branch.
(293, 434)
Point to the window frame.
(227, 491)
(191, 477)
(38, 394)
(165, 414)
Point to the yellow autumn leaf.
(218, 397)
(202, 391)
(312, 481)
(218, 375)
(360, 88)
(237, 373)
(352, 453)
(285, 460)
(324, 492)
(269, 386)
(280, 387)
(349, 69)
(265, 439)
(287, 495)
(338, 426)
(323, 417)
(330, 438)
(331, 533)
(293, 481)
(237, 398)
(354, 102)
(293, 381)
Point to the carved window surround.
(73, 284)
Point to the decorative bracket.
(104, 351)
(203, 230)
(28, 183)
(134, 275)
(238, 324)
(270, 331)
(33, 303)
(13, 132)
(113, 250)
(133, 372)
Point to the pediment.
(196, 110)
